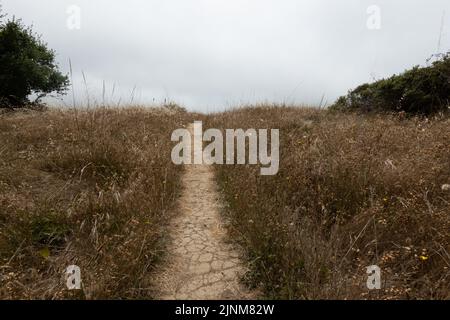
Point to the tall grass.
(94, 189)
(352, 191)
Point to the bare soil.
(200, 264)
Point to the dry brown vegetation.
(95, 188)
(91, 188)
(352, 191)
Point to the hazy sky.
(213, 54)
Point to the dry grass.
(95, 188)
(91, 188)
(352, 191)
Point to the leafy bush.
(48, 229)
(421, 90)
(28, 66)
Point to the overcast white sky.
(213, 54)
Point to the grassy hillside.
(352, 191)
(92, 188)
(96, 188)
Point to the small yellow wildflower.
(423, 258)
(44, 253)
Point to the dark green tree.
(27, 66)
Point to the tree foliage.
(420, 90)
(27, 66)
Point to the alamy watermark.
(374, 277)
(73, 21)
(73, 277)
(235, 147)
(374, 17)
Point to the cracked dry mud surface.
(201, 264)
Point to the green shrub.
(49, 229)
(421, 90)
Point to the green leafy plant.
(49, 229)
(420, 90)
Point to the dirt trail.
(201, 265)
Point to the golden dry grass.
(95, 188)
(352, 191)
(91, 188)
